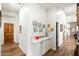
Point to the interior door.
(57, 35)
(8, 33)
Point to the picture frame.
(61, 27)
(40, 29)
(35, 29)
(20, 28)
(39, 24)
(34, 23)
(43, 25)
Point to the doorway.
(57, 35)
(72, 28)
(8, 33)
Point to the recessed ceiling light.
(13, 4)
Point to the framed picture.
(34, 23)
(39, 24)
(40, 29)
(61, 27)
(43, 25)
(35, 29)
(20, 28)
(0, 19)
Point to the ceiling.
(16, 7)
(55, 5)
(11, 7)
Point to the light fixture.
(13, 4)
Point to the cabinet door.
(49, 43)
(36, 49)
(44, 47)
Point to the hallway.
(67, 49)
(36, 28)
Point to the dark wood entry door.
(8, 33)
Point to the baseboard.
(28, 54)
(53, 48)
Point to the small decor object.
(61, 27)
(37, 37)
(51, 29)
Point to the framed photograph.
(34, 23)
(43, 25)
(0, 19)
(61, 27)
(20, 28)
(39, 24)
(40, 29)
(35, 29)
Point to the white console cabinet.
(39, 48)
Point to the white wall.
(27, 14)
(52, 20)
(61, 19)
(10, 17)
(56, 15)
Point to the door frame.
(57, 35)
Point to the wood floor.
(67, 49)
(11, 50)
